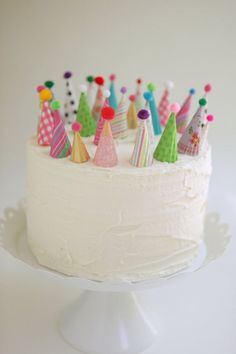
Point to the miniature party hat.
(96, 110)
(153, 108)
(138, 95)
(112, 98)
(164, 105)
(79, 152)
(190, 141)
(166, 150)
(142, 156)
(205, 128)
(119, 124)
(148, 96)
(106, 155)
(84, 115)
(183, 114)
(132, 114)
(46, 122)
(90, 90)
(60, 145)
(70, 105)
(101, 121)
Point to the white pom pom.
(107, 93)
(169, 84)
(83, 88)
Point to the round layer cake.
(120, 223)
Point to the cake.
(116, 223)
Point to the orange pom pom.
(45, 95)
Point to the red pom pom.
(112, 77)
(76, 126)
(210, 117)
(208, 88)
(139, 81)
(40, 88)
(99, 80)
(108, 113)
(132, 98)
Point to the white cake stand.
(108, 318)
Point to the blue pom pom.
(192, 91)
(148, 96)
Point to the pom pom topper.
(67, 75)
(49, 84)
(112, 77)
(90, 79)
(169, 85)
(207, 88)
(55, 105)
(99, 80)
(210, 118)
(45, 95)
(83, 88)
(40, 88)
(108, 113)
(132, 98)
(76, 126)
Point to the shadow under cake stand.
(108, 318)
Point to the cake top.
(136, 133)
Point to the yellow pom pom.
(45, 95)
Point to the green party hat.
(84, 115)
(166, 150)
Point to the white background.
(190, 42)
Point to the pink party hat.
(190, 141)
(60, 146)
(142, 155)
(101, 120)
(46, 122)
(183, 114)
(119, 124)
(164, 105)
(106, 155)
(98, 104)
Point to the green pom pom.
(202, 102)
(90, 78)
(49, 84)
(151, 87)
(55, 105)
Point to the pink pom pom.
(112, 77)
(40, 88)
(76, 126)
(210, 117)
(132, 98)
(208, 88)
(175, 107)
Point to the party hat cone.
(166, 150)
(79, 152)
(96, 110)
(84, 115)
(183, 114)
(119, 124)
(142, 156)
(190, 141)
(106, 155)
(70, 105)
(112, 98)
(60, 146)
(132, 114)
(205, 128)
(153, 108)
(90, 90)
(148, 96)
(46, 121)
(164, 104)
(101, 121)
(138, 95)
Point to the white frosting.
(115, 223)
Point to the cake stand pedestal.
(108, 318)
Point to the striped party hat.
(148, 96)
(112, 98)
(79, 152)
(106, 155)
(101, 121)
(90, 90)
(154, 113)
(98, 104)
(166, 150)
(70, 104)
(164, 104)
(183, 114)
(132, 118)
(190, 141)
(138, 95)
(142, 156)
(119, 124)
(60, 146)
(46, 121)
(84, 115)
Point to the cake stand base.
(108, 323)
